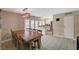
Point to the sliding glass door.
(34, 24)
(27, 24)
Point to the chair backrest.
(14, 38)
(40, 31)
(12, 34)
(17, 40)
(34, 29)
(29, 28)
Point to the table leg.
(39, 43)
(30, 45)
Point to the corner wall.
(58, 26)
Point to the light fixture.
(25, 9)
(25, 13)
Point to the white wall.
(58, 26)
(68, 20)
(69, 26)
(20, 22)
(10, 21)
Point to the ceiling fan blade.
(25, 9)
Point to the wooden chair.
(12, 35)
(34, 29)
(14, 38)
(18, 42)
(39, 31)
(38, 42)
(29, 28)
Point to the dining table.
(29, 36)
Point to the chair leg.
(30, 45)
(35, 44)
(39, 43)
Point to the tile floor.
(48, 43)
(57, 43)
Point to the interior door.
(69, 26)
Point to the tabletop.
(28, 35)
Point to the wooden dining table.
(29, 36)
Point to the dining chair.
(34, 44)
(33, 29)
(39, 31)
(12, 35)
(14, 41)
(29, 28)
(37, 42)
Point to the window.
(27, 24)
(32, 23)
(36, 24)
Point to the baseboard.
(59, 36)
(64, 37)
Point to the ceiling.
(42, 11)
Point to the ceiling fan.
(26, 14)
(25, 9)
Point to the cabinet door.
(69, 26)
